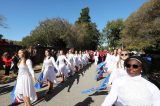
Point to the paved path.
(66, 94)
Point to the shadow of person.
(97, 93)
(68, 83)
(5, 89)
(71, 80)
(77, 77)
(85, 102)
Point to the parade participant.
(76, 61)
(84, 61)
(96, 56)
(24, 90)
(62, 65)
(70, 57)
(110, 62)
(87, 56)
(80, 60)
(133, 90)
(119, 71)
(48, 69)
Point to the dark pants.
(7, 69)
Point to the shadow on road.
(86, 102)
(68, 83)
(5, 89)
(97, 93)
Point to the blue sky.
(22, 16)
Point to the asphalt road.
(65, 94)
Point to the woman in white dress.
(119, 69)
(71, 59)
(76, 61)
(80, 60)
(48, 69)
(62, 65)
(111, 61)
(24, 90)
(96, 56)
(84, 59)
(132, 89)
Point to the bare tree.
(2, 21)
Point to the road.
(64, 94)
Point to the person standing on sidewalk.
(7, 63)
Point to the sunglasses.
(124, 54)
(135, 66)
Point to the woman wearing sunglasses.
(132, 89)
(119, 69)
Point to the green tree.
(1, 36)
(88, 33)
(2, 20)
(50, 32)
(113, 32)
(84, 18)
(142, 28)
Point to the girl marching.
(132, 89)
(48, 69)
(62, 65)
(24, 90)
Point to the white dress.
(133, 91)
(87, 57)
(76, 61)
(25, 85)
(49, 73)
(84, 59)
(96, 56)
(119, 71)
(61, 64)
(71, 59)
(110, 63)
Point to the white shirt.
(133, 91)
(119, 71)
(70, 58)
(61, 59)
(49, 62)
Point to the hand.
(35, 79)
(13, 57)
(108, 85)
(42, 71)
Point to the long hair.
(26, 55)
(49, 51)
(119, 65)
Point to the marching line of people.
(126, 85)
(65, 66)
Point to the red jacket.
(7, 62)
